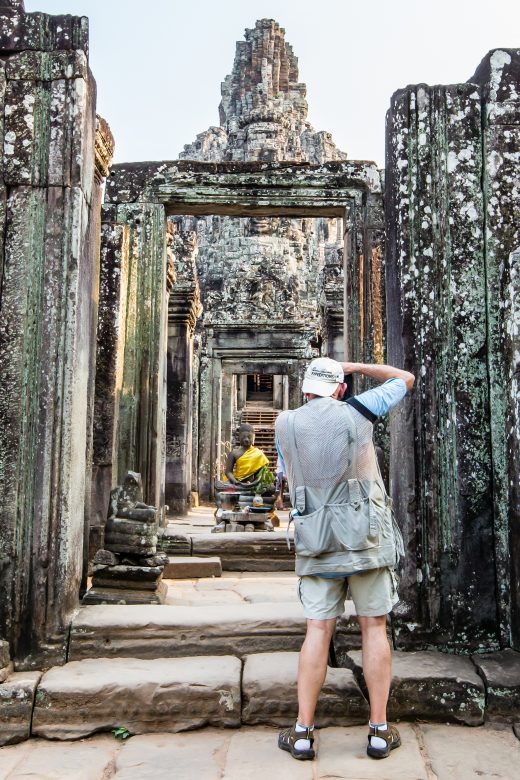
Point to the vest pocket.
(337, 528)
(355, 526)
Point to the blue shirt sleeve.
(280, 456)
(381, 399)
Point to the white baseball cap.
(322, 377)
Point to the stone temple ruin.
(145, 306)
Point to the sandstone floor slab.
(174, 694)
(432, 752)
(187, 756)
(342, 755)
(164, 631)
(90, 759)
(183, 567)
(486, 753)
(270, 694)
(501, 674)
(254, 588)
(433, 686)
(254, 754)
(190, 596)
(16, 704)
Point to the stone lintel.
(244, 189)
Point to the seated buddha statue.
(245, 461)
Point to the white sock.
(377, 742)
(302, 744)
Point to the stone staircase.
(262, 417)
(230, 660)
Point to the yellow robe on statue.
(248, 463)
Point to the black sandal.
(390, 736)
(288, 737)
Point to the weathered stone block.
(173, 543)
(81, 698)
(16, 704)
(137, 574)
(179, 568)
(5, 671)
(158, 631)
(125, 593)
(501, 674)
(47, 66)
(42, 32)
(48, 131)
(270, 697)
(263, 551)
(432, 686)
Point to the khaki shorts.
(373, 592)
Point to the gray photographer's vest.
(345, 521)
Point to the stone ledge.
(270, 694)
(157, 631)
(501, 674)
(431, 686)
(244, 551)
(178, 694)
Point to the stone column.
(278, 391)
(440, 451)
(498, 76)
(209, 424)
(179, 419)
(47, 269)
(113, 290)
(104, 150)
(242, 391)
(285, 404)
(226, 422)
(142, 403)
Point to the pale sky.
(159, 64)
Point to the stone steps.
(179, 694)
(164, 631)
(263, 551)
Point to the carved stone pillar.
(113, 291)
(440, 450)
(103, 154)
(142, 402)
(278, 391)
(209, 425)
(47, 267)
(183, 310)
(499, 79)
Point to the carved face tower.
(264, 269)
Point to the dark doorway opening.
(260, 388)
